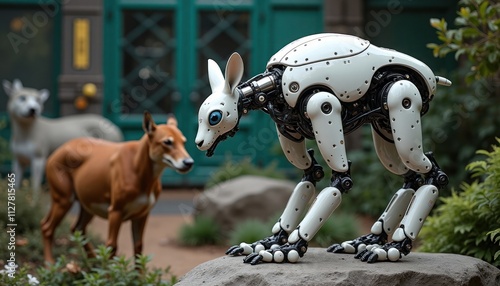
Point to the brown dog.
(117, 181)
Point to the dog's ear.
(148, 124)
(44, 94)
(17, 84)
(171, 119)
(7, 87)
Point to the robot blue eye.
(215, 117)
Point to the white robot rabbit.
(322, 87)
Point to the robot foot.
(392, 251)
(359, 244)
(277, 239)
(284, 253)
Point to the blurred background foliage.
(475, 36)
(467, 222)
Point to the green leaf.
(470, 32)
(459, 53)
(464, 12)
(482, 9)
(436, 23)
(492, 58)
(493, 25)
(460, 22)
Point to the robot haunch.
(322, 87)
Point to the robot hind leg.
(404, 103)
(395, 210)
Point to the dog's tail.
(105, 129)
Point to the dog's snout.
(189, 162)
(31, 111)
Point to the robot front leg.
(326, 202)
(296, 205)
(298, 202)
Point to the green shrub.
(468, 222)
(230, 170)
(203, 231)
(101, 270)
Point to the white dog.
(35, 137)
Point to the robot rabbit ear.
(234, 73)
(215, 76)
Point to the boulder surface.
(243, 198)
(319, 267)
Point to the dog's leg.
(138, 225)
(37, 171)
(62, 196)
(18, 172)
(81, 225)
(58, 210)
(115, 218)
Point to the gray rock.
(243, 198)
(319, 267)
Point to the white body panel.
(394, 212)
(406, 125)
(387, 153)
(324, 205)
(328, 130)
(347, 74)
(295, 152)
(421, 205)
(296, 206)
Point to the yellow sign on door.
(81, 43)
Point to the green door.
(156, 56)
(30, 52)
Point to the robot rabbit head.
(218, 116)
